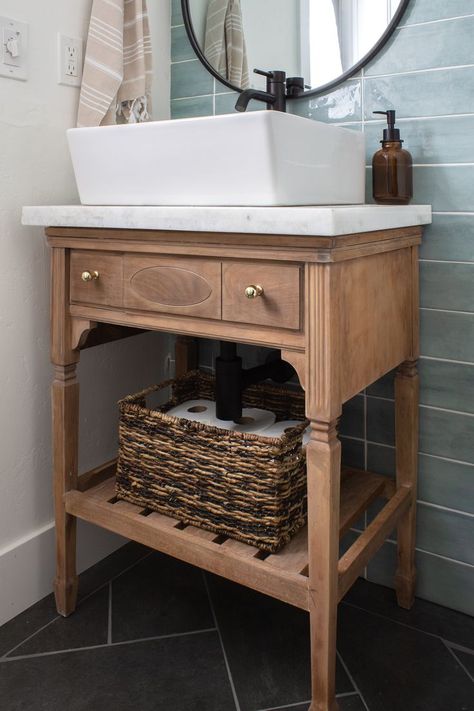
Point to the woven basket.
(245, 486)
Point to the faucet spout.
(249, 94)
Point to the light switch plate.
(13, 49)
(70, 60)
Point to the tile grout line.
(395, 622)
(83, 599)
(351, 679)
(92, 647)
(345, 695)
(459, 647)
(226, 661)
(465, 669)
(109, 620)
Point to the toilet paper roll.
(195, 410)
(279, 428)
(253, 420)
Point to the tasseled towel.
(116, 84)
(225, 46)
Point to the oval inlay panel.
(171, 286)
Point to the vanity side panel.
(378, 317)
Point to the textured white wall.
(35, 169)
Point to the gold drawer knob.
(89, 276)
(253, 291)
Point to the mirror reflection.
(316, 39)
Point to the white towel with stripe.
(225, 47)
(116, 84)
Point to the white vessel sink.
(256, 158)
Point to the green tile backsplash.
(426, 72)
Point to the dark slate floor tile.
(109, 567)
(181, 673)
(346, 703)
(267, 647)
(467, 660)
(160, 595)
(86, 627)
(27, 623)
(399, 669)
(44, 611)
(449, 624)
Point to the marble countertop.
(326, 221)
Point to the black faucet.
(274, 97)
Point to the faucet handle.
(263, 73)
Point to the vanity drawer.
(278, 304)
(188, 287)
(96, 278)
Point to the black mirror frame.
(325, 88)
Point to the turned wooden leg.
(65, 403)
(324, 477)
(406, 427)
(65, 413)
(186, 355)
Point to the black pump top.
(391, 133)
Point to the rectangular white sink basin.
(257, 158)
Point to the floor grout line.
(80, 602)
(398, 622)
(109, 620)
(465, 669)
(92, 647)
(345, 695)
(226, 661)
(351, 679)
(459, 647)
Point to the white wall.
(35, 169)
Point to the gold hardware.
(89, 276)
(253, 291)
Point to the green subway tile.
(352, 421)
(447, 385)
(440, 481)
(428, 10)
(444, 285)
(384, 387)
(380, 421)
(450, 237)
(225, 103)
(446, 188)
(442, 581)
(445, 44)
(447, 434)
(445, 533)
(437, 140)
(342, 104)
(447, 335)
(381, 460)
(353, 453)
(190, 79)
(187, 108)
(448, 91)
(445, 483)
(180, 46)
(176, 14)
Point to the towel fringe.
(134, 111)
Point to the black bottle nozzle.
(391, 133)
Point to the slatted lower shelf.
(283, 575)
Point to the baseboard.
(27, 566)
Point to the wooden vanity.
(343, 310)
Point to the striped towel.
(116, 84)
(225, 46)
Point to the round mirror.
(322, 41)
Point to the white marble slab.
(325, 221)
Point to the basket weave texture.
(244, 486)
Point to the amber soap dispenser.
(392, 167)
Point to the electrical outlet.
(70, 52)
(13, 49)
